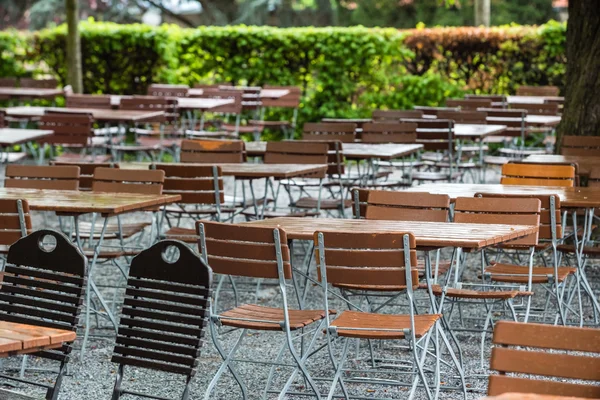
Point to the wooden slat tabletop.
(75, 202)
(12, 136)
(98, 114)
(386, 151)
(532, 99)
(22, 338)
(30, 92)
(428, 234)
(585, 163)
(578, 197)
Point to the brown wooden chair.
(526, 355)
(537, 109)
(86, 171)
(43, 286)
(343, 132)
(525, 90)
(213, 151)
(38, 83)
(72, 131)
(257, 253)
(89, 101)
(386, 132)
(594, 178)
(465, 116)
(42, 177)
(290, 101)
(15, 222)
(516, 128)
(165, 90)
(165, 310)
(395, 115)
(498, 100)
(538, 175)
(3, 119)
(468, 104)
(8, 82)
(223, 127)
(580, 146)
(433, 111)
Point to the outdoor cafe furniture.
(9, 137)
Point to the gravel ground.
(93, 378)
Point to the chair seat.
(326, 204)
(370, 322)
(496, 160)
(519, 274)
(270, 318)
(128, 230)
(589, 251)
(478, 294)
(187, 235)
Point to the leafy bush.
(13, 47)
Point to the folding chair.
(538, 175)
(525, 90)
(256, 252)
(86, 171)
(381, 260)
(580, 146)
(526, 355)
(395, 115)
(43, 286)
(468, 104)
(165, 310)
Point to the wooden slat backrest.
(516, 211)
(243, 250)
(545, 231)
(196, 184)
(38, 83)
(389, 132)
(465, 117)
(250, 95)
(89, 101)
(165, 310)
(434, 110)
(43, 286)
(468, 104)
(580, 146)
(537, 109)
(213, 151)
(401, 206)
(549, 354)
(8, 82)
(128, 181)
(395, 115)
(538, 175)
(15, 220)
(335, 156)
(42, 177)
(525, 90)
(150, 103)
(434, 134)
(290, 100)
(344, 132)
(69, 128)
(367, 259)
(594, 178)
(494, 98)
(296, 152)
(163, 90)
(235, 95)
(86, 171)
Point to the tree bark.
(482, 12)
(74, 74)
(581, 114)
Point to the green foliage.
(13, 48)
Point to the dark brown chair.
(2, 119)
(433, 111)
(395, 115)
(290, 101)
(212, 151)
(223, 128)
(44, 286)
(343, 132)
(164, 90)
(594, 178)
(14, 224)
(8, 82)
(89, 101)
(537, 109)
(538, 175)
(465, 116)
(388, 132)
(549, 91)
(38, 83)
(526, 355)
(165, 310)
(86, 171)
(468, 104)
(498, 100)
(580, 146)
(42, 177)
(71, 130)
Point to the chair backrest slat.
(164, 90)
(400, 206)
(344, 132)
(470, 116)
(128, 181)
(86, 171)
(194, 183)
(290, 100)
(69, 128)
(395, 115)
(580, 146)
(8, 82)
(434, 134)
(538, 174)
(15, 220)
(213, 151)
(537, 109)
(389, 132)
(468, 104)
(525, 90)
(89, 101)
(39, 83)
(42, 177)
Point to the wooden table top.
(30, 92)
(198, 103)
(97, 113)
(264, 93)
(385, 151)
(532, 99)
(577, 197)
(472, 131)
(76, 202)
(428, 234)
(22, 339)
(250, 170)
(585, 163)
(529, 396)
(531, 120)
(12, 136)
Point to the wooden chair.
(43, 286)
(465, 116)
(290, 101)
(3, 119)
(550, 91)
(165, 310)
(343, 132)
(537, 109)
(526, 355)
(164, 90)
(42, 177)
(498, 101)
(8, 82)
(257, 253)
(14, 224)
(594, 178)
(38, 83)
(538, 175)
(213, 151)
(580, 146)
(386, 132)
(71, 130)
(433, 111)
(395, 115)
(348, 260)
(223, 128)
(86, 171)
(468, 104)
(89, 101)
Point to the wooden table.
(532, 99)
(22, 339)
(12, 136)
(584, 163)
(124, 116)
(356, 151)
(531, 120)
(476, 131)
(30, 93)
(184, 103)
(264, 93)
(428, 234)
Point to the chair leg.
(119, 379)
(52, 393)
(455, 360)
(338, 366)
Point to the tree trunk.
(581, 114)
(482, 12)
(74, 75)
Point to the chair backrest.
(39, 83)
(525, 90)
(465, 117)
(594, 178)
(8, 82)
(389, 132)
(15, 221)
(42, 177)
(527, 354)
(86, 171)
(426, 110)
(165, 309)
(517, 211)
(151, 103)
(296, 152)
(290, 100)
(538, 175)
(400, 206)
(537, 109)
(580, 146)
(335, 156)
(164, 90)
(69, 128)
(2, 119)
(356, 258)
(89, 101)
(196, 184)
(42, 285)
(513, 119)
(115, 180)
(344, 132)
(250, 95)
(395, 115)
(435, 134)
(213, 151)
(498, 100)
(232, 108)
(243, 250)
(468, 104)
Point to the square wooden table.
(23, 338)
